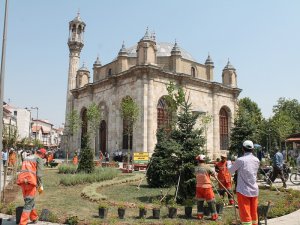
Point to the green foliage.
(86, 157)
(103, 205)
(67, 168)
(100, 174)
(191, 142)
(247, 125)
(93, 117)
(175, 152)
(129, 113)
(11, 208)
(72, 220)
(188, 202)
(163, 171)
(73, 122)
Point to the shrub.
(11, 208)
(67, 168)
(188, 202)
(72, 220)
(103, 205)
(100, 174)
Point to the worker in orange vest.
(224, 178)
(30, 179)
(12, 158)
(204, 189)
(75, 159)
(50, 158)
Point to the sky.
(261, 39)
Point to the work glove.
(40, 189)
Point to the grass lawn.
(67, 201)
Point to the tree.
(247, 125)
(191, 142)
(86, 162)
(173, 160)
(163, 171)
(72, 126)
(130, 114)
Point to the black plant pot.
(142, 213)
(188, 211)
(220, 207)
(172, 212)
(103, 213)
(19, 211)
(206, 210)
(121, 213)
(156, 213)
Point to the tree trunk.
(128, 151)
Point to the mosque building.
(142, 72)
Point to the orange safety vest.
(28, 171)
(75, 160)
(202, 177)
(223, 175)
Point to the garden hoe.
(234, 202)
(138, 187)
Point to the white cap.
(201, 157)
(248, 144)
(224, 155)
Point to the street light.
(37, 117)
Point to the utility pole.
(2, 75)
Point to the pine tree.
(164, 164)
(86, 163)
(191, 142)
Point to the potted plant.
(103, 210)
(156, 208)
(219, 205)
(142, 211)
(188, 207)
(206, 210)
(121, 211)
(172, 206)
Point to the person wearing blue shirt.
(4, 157)
(278, 167)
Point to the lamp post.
(2, 74)
(37, 117)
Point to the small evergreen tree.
(164, 162)
(86, 163)
(191, 142)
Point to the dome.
(229, 66)
(84, 68)
(163, 49)
(77, 19)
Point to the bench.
(262, 211)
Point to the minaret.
(146, 50)
(75, 43)
(176, 58)
(229, 75)
(209, 64)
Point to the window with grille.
(224, 131)
(163, 117)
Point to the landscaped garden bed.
(66, 202)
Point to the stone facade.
(142, 72)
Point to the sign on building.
(141, 157)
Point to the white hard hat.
(201, 157)
(248, 144)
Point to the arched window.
(193, 71)
(163, 117)
(224, 130)
(84, 125)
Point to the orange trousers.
(248, 209)
(29, 211)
